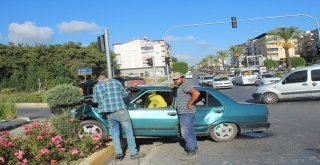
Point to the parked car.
(221, 82)
(299, 83)
(231, 77)
(127, 82)
(207, 80)
(188, 75)
(266, 78)
(217, 116)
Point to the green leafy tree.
(269, 63)
(180, 67)
(298, 62)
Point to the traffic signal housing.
(149, 61)
(167, 60)
(234, 22)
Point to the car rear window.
(130, 83)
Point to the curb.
(14, 123)
(101, 157)
(40, 105)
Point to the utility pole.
(108, 58)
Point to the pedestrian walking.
(109, 95)
(186, 96)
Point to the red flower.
(40, 137)
(1, 160)
(19, 154)
(71, 119)
(53, 161)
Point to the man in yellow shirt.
(156, 101)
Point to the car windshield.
(220, 78)
(268, 76)
(208, 78)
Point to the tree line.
(28, 67)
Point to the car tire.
(92, 126)
(270, 98)
(223, 132)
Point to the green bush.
(297, 62)
(8, 110)
(270, 64)
(40, 144)
(63, 98)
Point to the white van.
(245, 76)
(299, 83)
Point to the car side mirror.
(132, 106)
(284, 82)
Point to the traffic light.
(149, 62)
(167, 60)
(101, 44)
(234, 22)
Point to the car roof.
(148, 87)
(128, 78)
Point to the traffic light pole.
(107, 53)
(154, 70)
(246, 20)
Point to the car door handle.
(304, 84)
(172, 113)
(218, 111)
(314, 84)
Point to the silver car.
(266, 78)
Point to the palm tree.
(286, 34)
(211, 60)
(204, 63)
(223, 54)
(236, 52)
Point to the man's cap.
(177, 75)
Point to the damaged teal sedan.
(217, 116)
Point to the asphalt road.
(292, 139)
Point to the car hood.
(271, 79)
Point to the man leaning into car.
(186, 96)
(109, 95)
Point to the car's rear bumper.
(254, 127)
(223, 86)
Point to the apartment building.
(307, 46)
(268, 46)
(132, 57)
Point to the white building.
(132, 57)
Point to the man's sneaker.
(137, 156)
(118, 157)
(189, 156)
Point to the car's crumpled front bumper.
(257, 96)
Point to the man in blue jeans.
(109, 95)
(186, 96)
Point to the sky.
(61, 21)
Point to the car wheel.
(224, 132)
(90, 127)
(270, 98)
